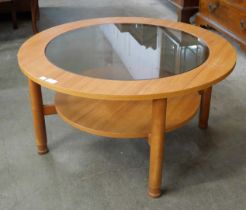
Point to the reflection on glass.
(127, 52)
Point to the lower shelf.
(122, 119)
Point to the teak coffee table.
(125, 77)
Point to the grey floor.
(203, 169)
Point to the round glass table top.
(127, 52)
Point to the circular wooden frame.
(34, 64)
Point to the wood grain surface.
(122, 119)
(34, 64)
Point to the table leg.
(34, 5)
(157, 139)
(205, 107)
(38, 10)
(38, 117)
(185, 14)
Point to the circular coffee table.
(125, 77)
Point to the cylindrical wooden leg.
(38, 10)
(205, 107)
(157, 146)
(34, 5)
(38, 117)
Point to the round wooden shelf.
(122, 119)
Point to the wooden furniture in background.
(226, 16)
(114, 108)
(21, 6)
(12, 5)
(35, 15)
(185, 9)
